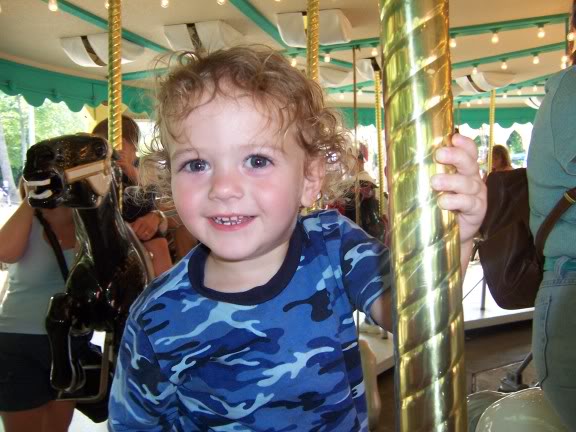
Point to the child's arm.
(465, 194)
(465, 191)
(142, 398)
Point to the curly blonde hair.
(273, 85)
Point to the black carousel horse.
(111, 267)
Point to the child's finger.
(461, 159)
(463, 155)
(466, 144)
(466, 204)
(457, 183)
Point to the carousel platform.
(480, 311)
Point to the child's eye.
(196, 165)
(257, 161)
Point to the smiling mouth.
(232, 220)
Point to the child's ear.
(313, 178)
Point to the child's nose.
(225, 186)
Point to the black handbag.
(89, 355)
(511, 259)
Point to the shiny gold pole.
(491, 139)
(378, 115)
(429, 325)
(312, 43)
(356, 143)
(115, 77)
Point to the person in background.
(148, 223)
(551, 171)
(501, 159)
(254, 329)
(27, 400)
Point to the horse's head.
(71, 170)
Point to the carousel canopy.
(54, 55)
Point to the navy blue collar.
(252, 296)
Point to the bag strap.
(559, 209)
(54, 243)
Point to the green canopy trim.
(473, 117)
(36, 85)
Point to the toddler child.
(254, 328)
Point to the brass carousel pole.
(312, 41)
(378, 115)
(491, 139)
(429, 325)
(356, 143)
(115, 78)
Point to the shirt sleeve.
(563, 111)
(142, 398)
(365, 264)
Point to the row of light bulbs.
(504, 95)
(53, 4)
(495, 38)
(535, 60)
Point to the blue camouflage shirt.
(280, 357)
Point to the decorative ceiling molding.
(334, 28)
(207, 35)
(92, 50)
(102, 23)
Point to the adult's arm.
(14, 234)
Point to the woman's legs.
(554, 342)
(51, 417)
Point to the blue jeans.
(554, 337)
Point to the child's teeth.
(233, 220)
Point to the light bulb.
(53, 5)
(570, 36)
(504, 65)
(505, 95)
(536, 59)
(220, 2)
(360, 92)
(374, 52)
(468, 104)
(563, 65)
(541, 32)
(479, 102)
(519, 92)
(341, 96)
(564, 58)
(475, 70)
(164, 3)
(452, 42)
(535, 88)
(293, 62)
(107, 4)
(327, 58)
(495, 39)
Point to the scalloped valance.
(473, 117)
(36, 85)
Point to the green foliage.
(51, 120)
(514, 143)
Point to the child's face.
(236, 182)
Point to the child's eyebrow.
(182, 151)
(258, 146)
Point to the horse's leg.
(65, 375)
